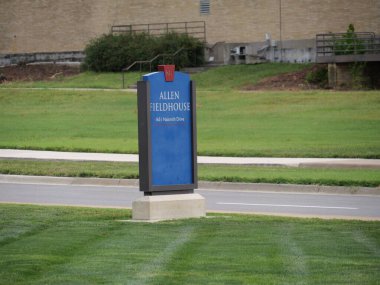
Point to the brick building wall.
(67, 25)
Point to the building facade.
(30, 26)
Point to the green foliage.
(349, 43)
(115, 52)
(358, 75)
(318, 76)
(191, 56)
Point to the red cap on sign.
(168, 70)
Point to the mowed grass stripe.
(295, 260)
(91, 246)
(154, 268)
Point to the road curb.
(204, 185)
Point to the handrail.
(332, 44)
(149, 61)
(195, 28)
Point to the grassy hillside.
(230, 123)
(237, 76)
(104, 80)
(221, 78)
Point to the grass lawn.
(289, 124)
(111, 80)
(253, 174)
(60, 245)
(282, 124)
(68, 120)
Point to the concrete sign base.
(168, 207)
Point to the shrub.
(318, 76)
(115, 52)
(192, 53)
(349, 43)
(359, 76)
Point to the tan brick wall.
(67, 25)
(304, 19)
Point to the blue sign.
(170, 122)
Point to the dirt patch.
(36, 72)
(287, 81)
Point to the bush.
(318, 76)
(349, 43)
(192, 53)
(115, 52)
(359, 75)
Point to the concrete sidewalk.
(258, 161)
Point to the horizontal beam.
(348, 58)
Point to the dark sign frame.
(145, 145)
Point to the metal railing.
(196, 29)
(149, 62)
(335, 44)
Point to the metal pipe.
(280, 31)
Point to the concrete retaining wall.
(70, 56)
(293, 51)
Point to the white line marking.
(290, 206)
(280, 192)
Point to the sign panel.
(167, 133)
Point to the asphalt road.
(286, 204)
